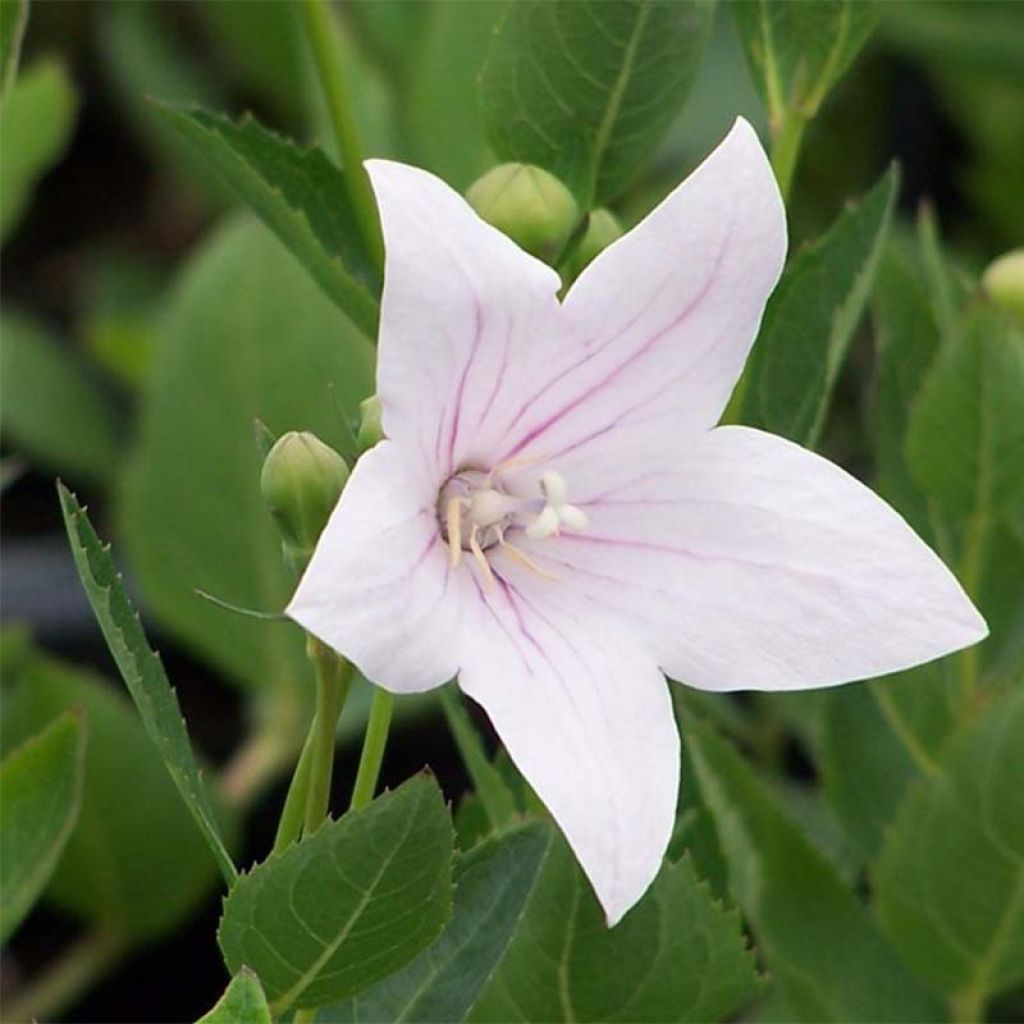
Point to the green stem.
(786, 139)
(495, 796)
(968, 1007)
(323, 41)
(74, 973)
(293, 814)
(333, 679)
(373, 748)
(305, 1016)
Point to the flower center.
(477, 510)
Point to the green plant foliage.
(492, 884)
(344, 908)
(677, 956)
(965, 441)
(41, 791)
(142, 671)
(810, 320)
(799, 51)
(587, 90)
(826, 957)
(13, 18)
(36, 121)
(247, 334)
(950, 882)
(135, 862)
(299, 194)
(52, 408)
(243, 1002)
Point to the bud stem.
(323, 41)
(373, 748)
(787, 136)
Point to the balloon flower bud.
(1004, 282)
(301, 482)
(370, 429)
(603, 228)
(529, 205)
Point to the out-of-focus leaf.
(301, 197)
(143, 673)
(135, 862)
(799, 51)
(243, 1002)
(587, 90)
(950, 882)
(13, 19)
(438, 106)
(51, 406)
(965, 440)
(492, 884)
(247, 334)
(676, 956)
(348, 906)
(41, 791)
(36, 120)
(878, 738)
(810, 320)
(823, 950)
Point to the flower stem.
(373, 748)
(495, 796)
(294, 812)
(74, 973)
(323, 41)
(305, 1016)
(333, 680)
(786, 139)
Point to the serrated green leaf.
(587, 89)
(135, 865)
(823, 950)
(810, 320)
(799, 51)
(243, 1002)
(950, 882)
(247, 334)
(142, 671)
(40, 791)
(677, 956)
(299, 194)
(492, 883)
(348, 906)
(36, 120)
(965, 439)
(51, 408)
(13, 19)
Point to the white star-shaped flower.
(556, 520)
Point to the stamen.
(481, 558)
(524, 559)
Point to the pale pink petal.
(587, 717)
(379, 589)
(755, 564)
(465, 317)
(667, 316)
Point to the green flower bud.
(301, 482)
(603, 228)
(1004, 282)
(370, 429)
(529, 205)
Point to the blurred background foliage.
(147, 320)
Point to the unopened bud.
(370, 429)
(1004, 283)
(301, 482)
(603, 228)
(528, 204)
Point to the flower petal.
(667, 315)
(465, 317)
(756, 564)
(587, 717)
(379, 589)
